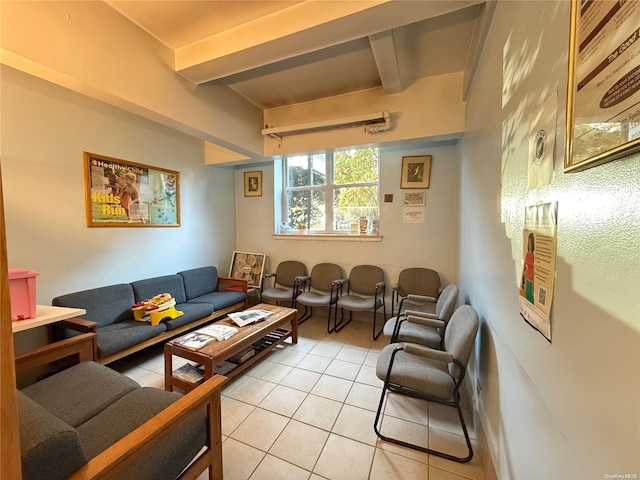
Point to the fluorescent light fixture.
(372, 123)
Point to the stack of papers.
(201, 337)
(219, 332)
(249, 316)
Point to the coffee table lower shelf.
(268, 343)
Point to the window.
(327, 192)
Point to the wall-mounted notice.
(412, 214)
(539, 266)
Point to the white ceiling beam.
(300, 29)
(384, 49)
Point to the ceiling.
(278, 53)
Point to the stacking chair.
(319, 290)
(424, 328)
(284, 283)
(365, 291)
(428, 374)
(417, 289)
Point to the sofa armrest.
(236, 282)
(83, 345)
(77, 324)
(114, 460)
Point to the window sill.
(334, 237)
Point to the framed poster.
(253, 184)
(416, 171)
(603, 97)
(120, 193)
(248, 266)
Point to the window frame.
(328, 188)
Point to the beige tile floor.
(307, 410)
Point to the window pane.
(306, 207)
(319, 165)
(298, 171)
(351, 203)
(355, 166)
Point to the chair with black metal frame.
(424, 328)
(320, 289)
(418, 287)
(430, 374)
(285, 288)
(365, 292)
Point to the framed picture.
(249, 266)
(603, 97)
(416, 171)
(120, 193)
(413, 199)
(253, 184)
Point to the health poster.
(538, 266)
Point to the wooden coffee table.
(272, 331)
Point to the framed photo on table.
(121, 193)
(248, 266)
(603, 97)
(416, 171)
(253, 184)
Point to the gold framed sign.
(416, 171)
(120, 193)
(603, 97)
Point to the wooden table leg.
(168, 368)
(294, 328)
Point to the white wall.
(566, 409)
(92, 49)
(45, 129)
(431, 244)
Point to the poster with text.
(123, 193)
(539, 266)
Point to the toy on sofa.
(155, 309)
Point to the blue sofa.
(199, 293)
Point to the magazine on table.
(249, 316)
(203, 336)
(219, 332)
(189, 373)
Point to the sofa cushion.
(50, 448)
(191, 312)
(78, 393)
(150, 287)
(220, 300)
(199, 281)
(104, 305)
(117, 337)
(168, 458)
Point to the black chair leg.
(456, 404)
(308, 313)
(384, 319)
(329, 329)
(339, 326)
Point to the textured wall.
(566, 409)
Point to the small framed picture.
(416, 171)
(253, 184)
